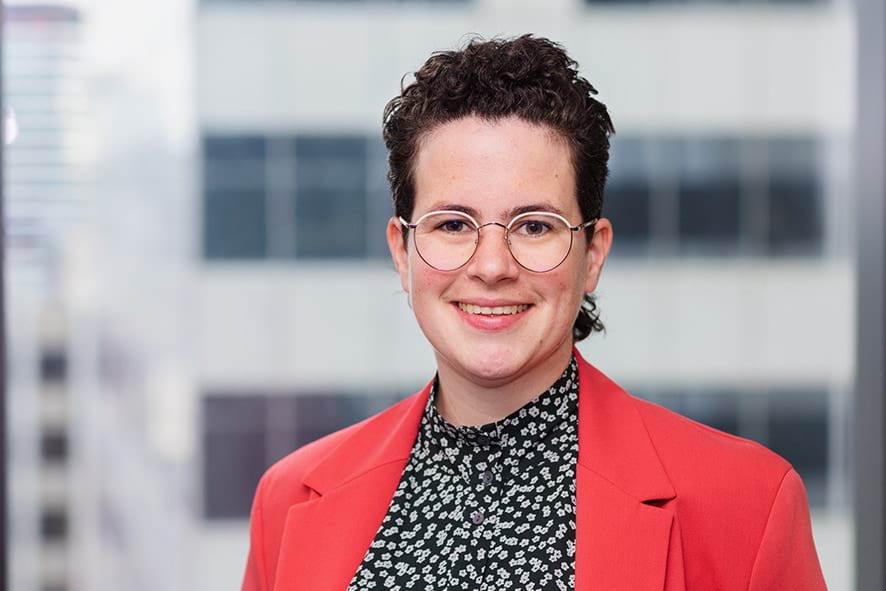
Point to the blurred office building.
(233, 298)
(729, 294)
(44, 200)
(87, 490)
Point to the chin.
(491, 362)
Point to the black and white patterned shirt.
(487, 508)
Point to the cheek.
(570, 281)
(425, 280)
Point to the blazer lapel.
(325, 539)
(624, 540)
(622, 537)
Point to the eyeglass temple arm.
(584, 225)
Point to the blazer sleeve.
(786, 557)
(256, 578)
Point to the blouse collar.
(531, 422)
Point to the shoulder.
(285, 484)
(741, 508)
(696, 453)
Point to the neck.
(461, 400)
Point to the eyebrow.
(512, 213)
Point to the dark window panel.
(710, 213)
(235, 225)
(628, 208)
(320, 414)
(802, 438)
(714, 409)
(234, 197)
(330, 147)
(221, 175)
(53, 365)
(54, 447)
(234, 148)
(708, 2)
(795, 220)
(799, 431)
(233, 464)
(709, 194)
(795, 196)
(226, 413)
(379, 204)
(234, 453)
(53, 524)
(626, 201)
(336, 1)
(244, 434)
(331, 207)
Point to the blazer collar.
(613, 441)
(379, 440)
(621, 542)
(608, 420)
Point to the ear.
(598, 250)
(399, 254)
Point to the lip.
(491, 323)
(489, 303)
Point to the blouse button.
(486, 477)
(477, 517)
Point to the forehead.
(494, 167)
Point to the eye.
(533, 227)
(453, 226)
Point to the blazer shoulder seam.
(766, 525)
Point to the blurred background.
(198, 283)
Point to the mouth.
(493, 310)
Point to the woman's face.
(492, 170)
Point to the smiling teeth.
(496, 311)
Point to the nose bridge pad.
(507, 236)
(500, 225)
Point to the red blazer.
(662, 503)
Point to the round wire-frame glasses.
(539, 241)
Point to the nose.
(492, 262)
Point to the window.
(234, 453)
(337, 1)
(53, 364)
(235, 214)
(719, 410)
(243, 434)
(53, 524)
(709, 193)
(795, 200)
(711, 2)
(304, 197)
(797, 426)
(54, 446)
(627, 197)
(331, 207)
(715, 196)
(325, 196)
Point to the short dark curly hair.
(529, 77)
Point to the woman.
(520, 466)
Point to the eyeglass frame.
(507, 228)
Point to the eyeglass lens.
(537, 241)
